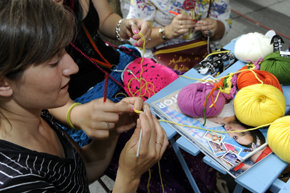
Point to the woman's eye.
(54, 64)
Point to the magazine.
(228, 149)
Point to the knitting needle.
(175, 13)
(140, 135)
(139, 143)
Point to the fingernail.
(139, 43)
(135, 44)
(135, 37)
(132, 109)
(136, 31)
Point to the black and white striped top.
(24, 170)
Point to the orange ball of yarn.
(247, 78)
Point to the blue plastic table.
(260, 178)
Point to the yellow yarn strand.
(147, 89)
(160, 176)
(149, 179)
(216, 98)
(143, 83)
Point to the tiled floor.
(248, 16)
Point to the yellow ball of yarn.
(259, 104)
(278, 137)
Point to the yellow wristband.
(68, 115)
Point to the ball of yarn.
(154, 77)
(277, 65)
(252, 46)
(247, 78)
(191, 98)
(259, 104)
(278, 137)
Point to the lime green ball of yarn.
(259, 104)
(278, 137)
(277, 65)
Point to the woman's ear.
(5, 88)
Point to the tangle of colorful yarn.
(144, 77)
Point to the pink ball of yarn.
(191, 98)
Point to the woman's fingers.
(161, 139)
(136, 26)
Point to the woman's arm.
(128, 27)
(98, 118)
(181, 24)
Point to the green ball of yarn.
(277, 65)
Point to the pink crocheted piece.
(155, 77)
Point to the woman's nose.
(70, 66)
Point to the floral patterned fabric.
(157, 11)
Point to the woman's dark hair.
(256, 134)
(31, 32)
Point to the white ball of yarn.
(252, 46)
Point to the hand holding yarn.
(207, 24)
(180, 25)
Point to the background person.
(170, 29)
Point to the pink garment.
(154, 77)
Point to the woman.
(176, 22)
(35, 154)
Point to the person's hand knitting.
(180, 25)
(153, 144)
(210, 27)
(130, 28)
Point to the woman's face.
(243, 138)
(45, 85)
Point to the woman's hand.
(98, 118)
(127, 120)
(210, 27)
(180, 25)
(153, 145)
(131, 27)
